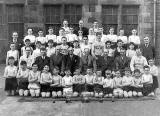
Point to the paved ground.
(9, 106)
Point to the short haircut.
(127, 69)
(75, 41)
(11, 58)
(56, 67)
(50, 41)
(42, 49)
(108, 42)
(27, 40)
(137, 70)
(38, 42)
(119, 41)
(27, 47)
(131, 43)
(121, 29)
(34, 64)
(98, 33)
(50, 28)
(12, 43)
(23, 63)
(146, 66)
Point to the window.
(52, 15)
(130, 18)
(2, 23)
(15, 18)
(109, 17)
(73, 13)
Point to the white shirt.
(127, 80)
(36, 53)
(108, 83)
(67, 80)
(147, 78)
(130, 53)
(59, 39)
(14, 54)
(23, 74)
(91, 39)
(32, 38)
(123, 38)
(138, 63)
(154, 70)
(135, 39)
(29, 60)
(98, 48)
(104, 38)
(77, 51)
(72, 37)
(84, 46)
(10, 71)
(50, 51)
(89, 78)
(43, 40)
(112, 38)
(51, 37)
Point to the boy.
(137, 84)
(89, 88)
(108, 84)
(36, 52)
(71, 36)
(67, 85)
(78, 83)
(98, 84)
(147, 81)
(27, 43)
(154, 72)
(50, 49)
(41, 38)
(22, 76)
(10, 74)
(50, 35)
(127, 83)
(134, 38)
(77, 49)
(56, 86)
(64, 47)
(118, 91)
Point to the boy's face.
(34, 67)
(108, 73)
(146, 70)
(99, 37)
(127, 73)
(65, 23)
(50, 44)
(15, 35)
(95, 24)
(12, 46)
(38, 45)
(118, 74)
(50, 31)
(131, 46)
(71, 30)
(75, 44)
(89, 71)
(108, 45)
(61, 32)
(121, 32)
(111, 31)
(134, 32)
(46, 68)
(55, 71)
(119, 44)
(40, 33)
(91, 31)
(151, 62)
(64, 40)
(80, 33)
(24, 66)
(77, 72)
(27, 43)
(30, 31)
(101, 30)
(99, 73)
(67, 72)
(28, 51)
(122, 52)
(85, 39)
(137, 74)
(11, 61)
(138, 52)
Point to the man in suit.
(82, 28)
(147, 49)
(122, 61)
(56, 59)
(87, 61)
(70, 62)
(42, 60)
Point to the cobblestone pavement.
(9, 106)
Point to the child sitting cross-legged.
(78, 83)
(34, 78)
(108, 84)
(22, 76)
(127, 83)
(137, 84)
(118, 91)
(46, 80)
(89, 88)
(56, 86)
(67, 85)
(98, 84)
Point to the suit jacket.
(56, 60)
(87, 61)
(42, 62)
(108, 63)
(122, 63)
(71, 64)
(148, 52)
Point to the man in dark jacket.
(56, 59)
(147, 49)
(42, 60)
(70, 62)
(82, 28)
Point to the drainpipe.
(154, 25)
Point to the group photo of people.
(81, 62)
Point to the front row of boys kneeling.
(93, 85)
